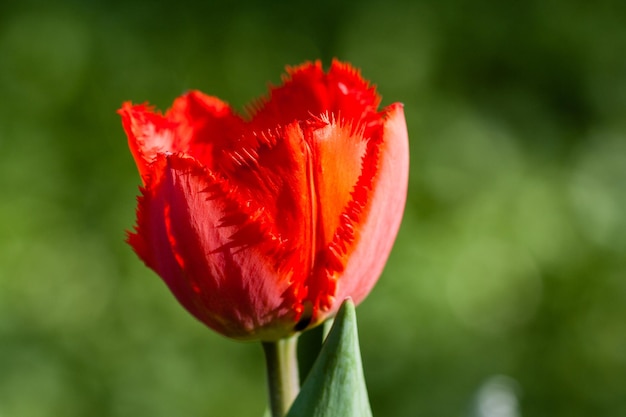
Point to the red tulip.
(262, 225)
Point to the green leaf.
(336, 385)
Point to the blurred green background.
(505, 295)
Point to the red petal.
(345, 165)
(148, 134)
(309, 92)
(379, 224)
(197, 125)
(338, 153)
(272, 170)
(205, 125)
(360, 187)
(217, 253)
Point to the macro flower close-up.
(262, 224)
(312, 209)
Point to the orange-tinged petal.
(337, 151)
(379, 225)
(362, 222)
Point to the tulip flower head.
(261, 225)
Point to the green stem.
(282, 374)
